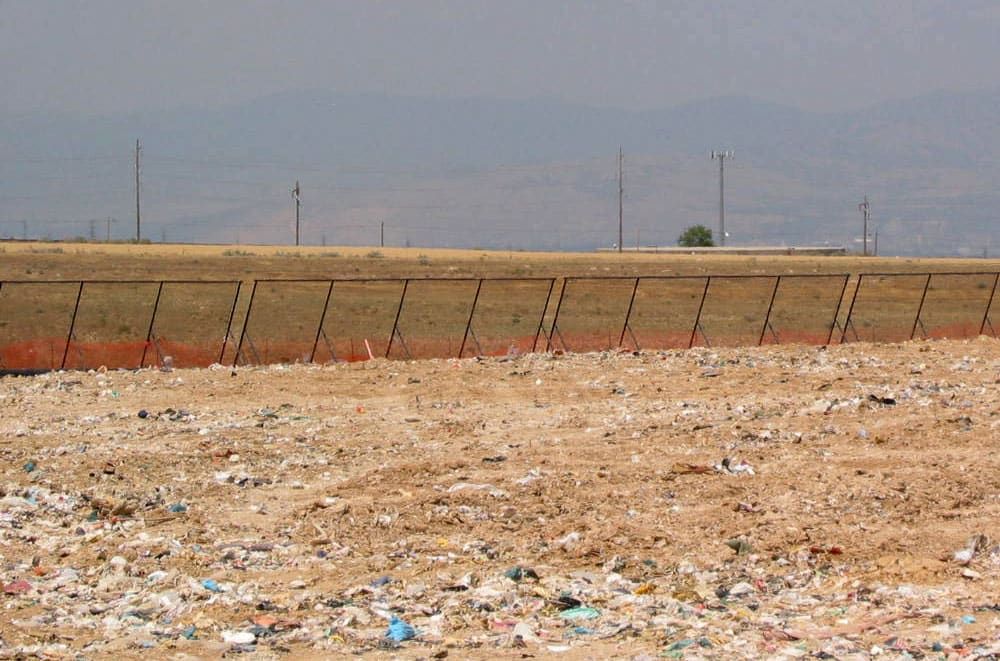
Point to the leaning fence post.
(152, 320)
(72, 325)
(697, 318)
(920, 307)
(395, 322)
(628, 314)
(836, 312)
(246, 322)
(322, 320)
(850, 310)
(472, 311)
(989, 304)
(770, 305)
(229, 324)
(555, 317)
(545, 309)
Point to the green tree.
(696, 236)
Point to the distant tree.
(696, 236)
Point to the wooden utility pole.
(295, 195)
(621, 194)
(381, 234)
(138, 226)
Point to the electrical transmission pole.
(108, 236)
(138, 227)
(866, 211)
(93, 235)
(722, 156)
(295, 196)
(621, 194)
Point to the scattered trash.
(399, 630)
(239, 637)
(518, 573)
(580, 613)
(975, 544)
(17, 587)
(734, 467)
(210, 585)
(544, 522)
(741, 546)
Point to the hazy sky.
(101, 56)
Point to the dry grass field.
(517, 309)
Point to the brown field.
(113, 318)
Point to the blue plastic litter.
(30, 466)
(210, 585)
(968, 619)
(189, 632)
(177, 508)
(399, 631)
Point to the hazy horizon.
(105, 56)
(412, 113)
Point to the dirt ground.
(778, 502)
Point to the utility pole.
(381, 234)
(108, 234)
(24, 230)
(295, 196)
(93, 235)
(138, 227)
(721, 156)
(866, 211)
(621, 193)
(876, 242)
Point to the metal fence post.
(989, 304)
(697, 318)
(322, 320)
(72, 325)
(555, 317)
(472, 311)
(246, 322)
(152, 320)
(770, 305)
(395, 322)
(850, 310)
(541, 319)
(628, 313)
(920, 307)
(229, 324)
(836, 312)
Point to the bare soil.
(322, 500)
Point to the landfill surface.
(779, 502)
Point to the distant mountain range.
(512, 174)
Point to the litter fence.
(47, 325)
